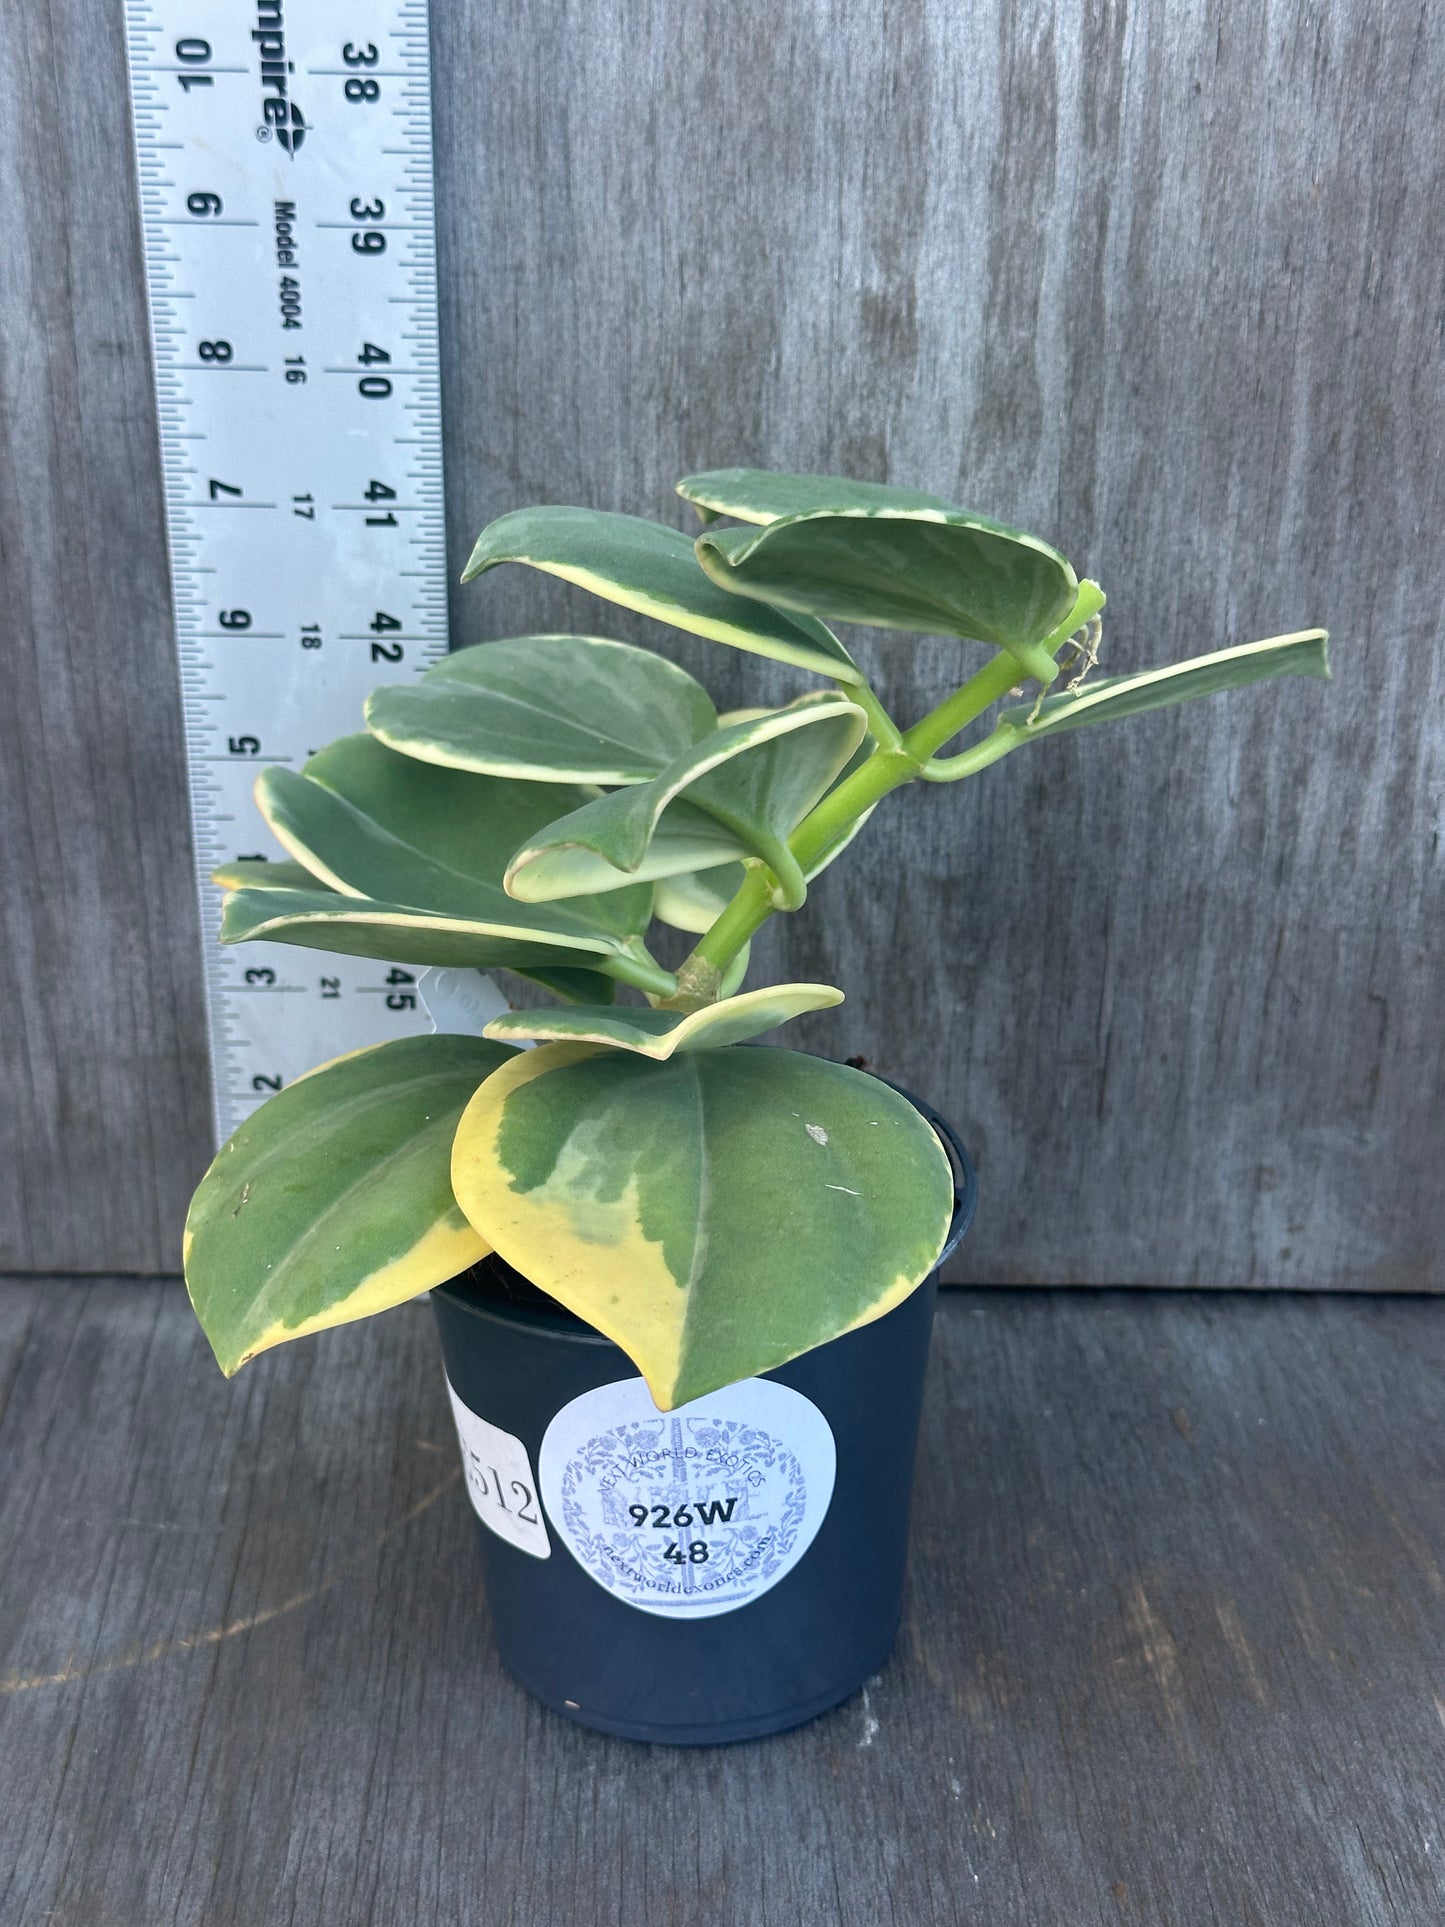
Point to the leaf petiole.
(903, 759)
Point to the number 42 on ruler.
(285, 163)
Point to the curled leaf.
(660, 1034)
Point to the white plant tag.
(460, 1002)
(694, 1512)
(499, 1481)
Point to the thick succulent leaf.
(467, 823)
(760, 495)
(682, 838)
(714, 1215)
(334, 1199)
(571, 709)
(258, 872)
(942, 570)
(752, 782)
(660, 1034)
(322, 919)
(372, 824)
(651, 568)
(764, 792)
(1302, 653)
(695, 900)
(364, 819)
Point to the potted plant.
(595, 1189)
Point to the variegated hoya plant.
(534, 805)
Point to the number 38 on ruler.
(285, 163)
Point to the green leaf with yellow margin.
(751, 782)
(764, 495)
(651, 568)
(714, 1215)
(323, 919)
(408, 862)
(859, 553)
(1305, 652)
(285, 903)
(660, 1034)
(694, 900)
(333, 1200)
(411, 832)
(562, 709)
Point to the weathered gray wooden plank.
(1163, 281)
(1172, 1650)
(102, 1051)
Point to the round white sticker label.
(693, 1512)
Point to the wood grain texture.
(1162, 281)
(1172, 1653)
(102, 1043)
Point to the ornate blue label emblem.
(693, 1512)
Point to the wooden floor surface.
(1174, 1650)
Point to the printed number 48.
(694, 1555)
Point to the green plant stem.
(637, 967)
(893, 763)
(888, 769)
(881, 726)
(957, 711)
(968, 762)
(831, 820)
(749, 910)
(951, 769)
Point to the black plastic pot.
(717, 1573)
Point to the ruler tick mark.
(303, 450)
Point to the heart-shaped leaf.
(752, 782)
(334, 1199)
(659, 1034)
(940, 569)
(714, 1215)
(651, 568)
(561, 709)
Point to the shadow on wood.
(1172, 1652)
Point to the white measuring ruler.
(284, 149)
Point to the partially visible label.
(500, 1484)
(694, 1512)
(460, 1001)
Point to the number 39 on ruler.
(284, 150)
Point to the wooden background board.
(1172, 1650)
(1164, 281)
